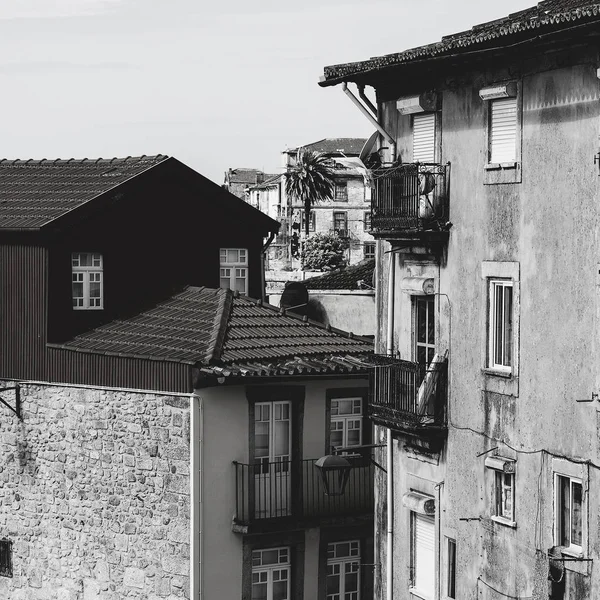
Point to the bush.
(324, 252)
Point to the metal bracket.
(17, 407)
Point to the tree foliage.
(310, 180)
(325, 251)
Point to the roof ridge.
(219, 330)
(78, 161)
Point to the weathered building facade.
(491, 489)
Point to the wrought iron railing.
(408, 395)
(294, 490)
(410, 196)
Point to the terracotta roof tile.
(34, 193)
(349, 146)
(344, 279)
(547, 15)
(227, 335)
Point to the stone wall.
(94, 495)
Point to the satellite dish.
(294, 297)
(369, 147)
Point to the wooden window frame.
(86, 275)
(574, 549)
(338, 195)
(337, 213)
(233, 267)
(508, 345)
(341, 393)
(343, 561)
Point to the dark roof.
(349, 146)
(227, 335)
(35, 192)
(269, 182)
(548, 15)
(248, 176)
(344, 279)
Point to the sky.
(217, 84)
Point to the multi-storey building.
(159, 428)
(347, 212)
(491, 480)
(238, 181)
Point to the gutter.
(369, 115)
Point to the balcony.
(272, 496)
(410, 203)
(410, 399)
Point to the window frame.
(434, 149)
(428, 345)
(367, 254)
(344, 560)
(421, 593)
(495, 283)
(343, 394)
(87, 272)
(573, 549)
(337, 214)
(509, 172)
(312, 225)
(234, 266)
(345, 419)
(450, 583)
(367, 220)
(269, 570)
(338, 195)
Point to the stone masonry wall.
(94, 495)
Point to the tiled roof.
(34, 193)
(344, 279)
(270, 181)
(226, 335)
(249, 176)
(545, 16)
(349, 146)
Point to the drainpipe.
(389, 465)
(263, 254)
(365, 111)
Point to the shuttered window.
(424, 137)
(423, 554)
(503, 130)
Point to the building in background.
(238, 181)
(492, 481)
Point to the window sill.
(571, 552)
(498, 166)
(497, 173)
(504, 521)
(418, 594)
(497, 373)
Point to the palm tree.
(310, 180)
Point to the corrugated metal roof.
(34, 193)
(550, 14)
(344, 279)
(223, 334)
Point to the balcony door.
(272, 456)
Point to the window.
(502, 131)
(343, 571)
(424, 329)
(313, 221)
(500, 334)
(346, 422)
(234, 269)
(367, 221)
(451, 568)
(271, 574)
(568, 513)
(340, 222)
(424, 137)
(341, 192)
(369, 249)
(423, 554)
(504, 492)
(87, 288)
(6, 558)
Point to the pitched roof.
(549, 15)
(241, 175)
(270, 181)
(348, 146)
(34, 193)
(226, 335)
(344, 279)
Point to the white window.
(500, 334)
(503, 131)
(423, 554)
(504, 491)
(424, 137)
(87, 287)
(346, 422)
(369, 249)
(271, 574)
(234, 269)
(568, 513)
(343, 571)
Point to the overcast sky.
(217, 84)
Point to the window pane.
(259, 591)
(498, 324)
(421, 321)
(451, 592)
(280, 590)
(270, 557)
(224, 283)
(564, 516)
(576, 514)
(77, 291)
(507, 333)
(94, 290)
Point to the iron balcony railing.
(294, 490)
(410, 197)
(408, 396)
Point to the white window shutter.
(424, 137)
(503, 130)
(424, 554)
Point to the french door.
(272, 454)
